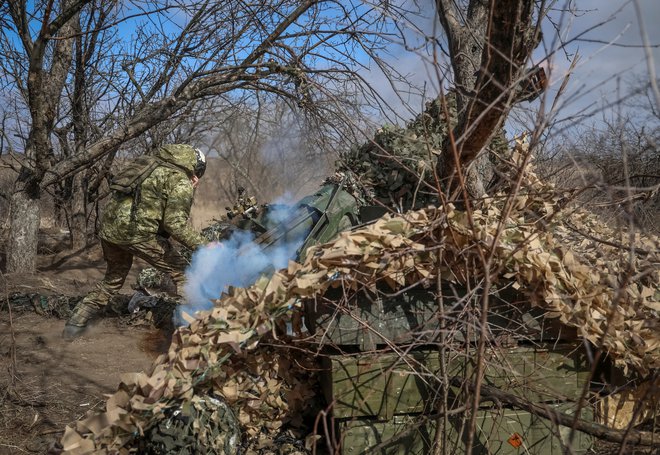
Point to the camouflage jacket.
(160, 207)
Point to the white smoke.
(237, 262)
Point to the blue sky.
(603, 70)
(610, 56)
(612, 59)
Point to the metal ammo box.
(382, 361)
(382, 375)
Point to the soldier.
(153, 204)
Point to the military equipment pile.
(610, 294)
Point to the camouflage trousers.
(119, 259)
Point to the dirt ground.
(46, 382)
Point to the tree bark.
(24, 216)
(466, 40)
(488, 51)
(45, 86)
(78, 213)
(80, 114)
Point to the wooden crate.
(387, 384)
(499, 432)
(366, 322)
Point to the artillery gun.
(388, 378)
(393, 365)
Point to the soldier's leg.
(118, 264)
(165, 258)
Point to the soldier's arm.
(177, 211)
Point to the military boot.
(78, 322)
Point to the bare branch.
(634, 437)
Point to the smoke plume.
(237, 262)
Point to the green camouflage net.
(396, 168)
(60, 306)
(204, 425)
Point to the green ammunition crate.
(499, 432)
(413, 316)
(387, 384)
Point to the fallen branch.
(634, 437)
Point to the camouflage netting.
(396, 168)
(204, 425)
(155, 311)
(59, 306)
(610, 294)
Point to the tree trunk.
(466, 35)
(78, 213)
(24, 216)
(49, 65)
(508, 42)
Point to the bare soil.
(46, 382)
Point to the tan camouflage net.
(610, 294)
